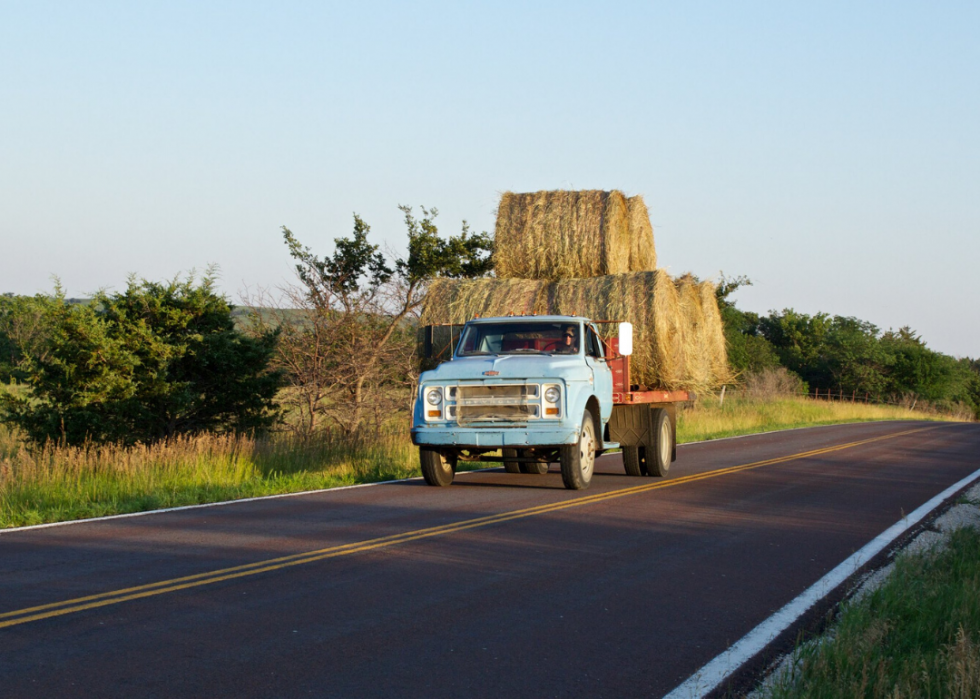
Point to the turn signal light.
(551, 411)
(435, 413)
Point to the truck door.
(600, 372)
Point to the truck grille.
(496, 403)
(494, 413)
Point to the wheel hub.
(587, 453)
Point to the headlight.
(552, 394)
(433, 396)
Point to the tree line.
(846, 355)
(335, 350)
(332, 351)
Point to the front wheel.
(578, 460)
(437, 468)
(511, 466)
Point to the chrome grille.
(497, 403)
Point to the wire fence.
(855, 397)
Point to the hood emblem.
(491, 373)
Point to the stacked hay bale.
(570, 235)
(706, 354)
(592, 254)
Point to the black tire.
(437, 468)
(578, 460)
(634, 461)
(535, 469)
(511, 466)
(660, 452)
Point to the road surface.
(501, 585)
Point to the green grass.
(57, 484)
(916, 636)
(740, 415)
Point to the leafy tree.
(149, 363)
(347, 341)
(24, 331)
(798, 340)
(728, 286)
(917, 369)
(854, 357)
(969, 370)
(748, 350)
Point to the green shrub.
(153, 362)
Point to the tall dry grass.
(744, 413)
(53, 483)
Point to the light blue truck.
(543, 390)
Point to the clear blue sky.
(829, 151)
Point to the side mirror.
(626, 339)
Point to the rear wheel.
(536, 469)
(511, 466)
(437, 468)
(578, 460)
(659, 454)
(634, 461)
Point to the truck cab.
(539, 388)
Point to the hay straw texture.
(457, 301)
(559, 235)
(707, 355)
(673, 347)
(714, 334)
(643, 253)
(646, 299)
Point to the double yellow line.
(79, 604)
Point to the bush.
(151, 363)
(772, 383)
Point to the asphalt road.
(501, 585)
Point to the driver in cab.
(569, 343)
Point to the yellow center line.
(78, 604)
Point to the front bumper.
(488, 437)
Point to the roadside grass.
(918, 635)
(740, 414)
(53, 484)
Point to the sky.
(828, 151)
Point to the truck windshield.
(520, 337)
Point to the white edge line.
(221, 503)
(723, 666)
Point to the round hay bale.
(643, 253)
(699, 367)
(715, 336)
(458, 300)
(649, 300)
(563, 234)
(707, 355)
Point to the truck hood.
(511, 366)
